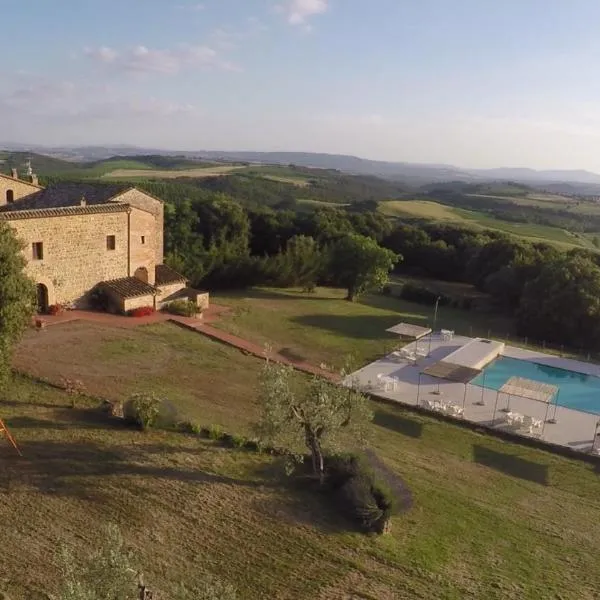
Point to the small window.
(111, 242)
(143, 239)
(38, 251)
(10, 196)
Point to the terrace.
(451, 379)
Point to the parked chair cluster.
(448, 408)
(524, 423)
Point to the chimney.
(14, 173)
(34, 180)
(83, 201)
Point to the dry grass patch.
(171, 173)
(191, 371)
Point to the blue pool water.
(577, 391)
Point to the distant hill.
(42, 164)
(416, 175)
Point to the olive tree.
(320, 416)
(17, 293)
(109, 574)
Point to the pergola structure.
(531, 389)
(450, 372)
(409, 331)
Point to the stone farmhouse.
(83, 237)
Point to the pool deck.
(476, 353)
(573, 429)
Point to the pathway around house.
(202, 326)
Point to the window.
(10, 196)
(111, 242)
(38, 251)
(143, 239)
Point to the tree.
(320, 416)
(300, 265)
(17, 294)
(562, 304)
(109, 574)
(358, 263)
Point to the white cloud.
(142, 59)
(69, 101)
(298, 12)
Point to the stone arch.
(10, 196)
(141, 273)
(50, 293)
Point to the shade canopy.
(451, 372)
(529, 388)
(407, 330)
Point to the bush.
(358, 492)
(55, 309)
(422, 295)
(183, 308)
(141, 311)
(99, 300)
(189, 427)
(215, 432)
(142, 410)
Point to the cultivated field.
(424, 209)
(171, 173)
(490, 519)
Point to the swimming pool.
(577, 391)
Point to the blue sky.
(476, 83)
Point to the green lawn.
(323, 327)
(490, 519)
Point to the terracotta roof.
(67, 194)
(12, 215)
(165, 275)
(19, 180)
(130, 287)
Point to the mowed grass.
(490, 519)
(324, 328)
(114, 363)
(425, 209)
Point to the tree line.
(554, 294)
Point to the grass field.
(322, 327)
(280, 173)
(127, 173)
(424, 209)
(490, 519)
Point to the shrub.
(183, 308)
(141, 311)
(55, 309)
(359, 493)
(99, 299)
(215, 432)
(238, 441)
(142, 410)
(189, 427)
(422, 295)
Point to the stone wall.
(131, 303)
(143, 202)
(168, 293)
(143, 249)
(75, 255)
(202, 300)
(19, 188)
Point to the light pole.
(437, 301)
